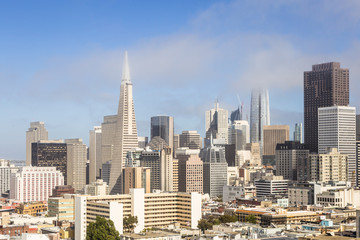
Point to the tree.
(130, 223)
(102, 229)
(228, 218)
(203, 225)
(250, 219)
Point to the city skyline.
(72, 86)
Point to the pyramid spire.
(126, 69)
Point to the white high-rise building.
(36, 132)
(259, 114)
(6, 169)
(126, 137)
(336, 129)
(216, 124)
(95, 154)
(76, 163)
(240, 134)
(34, 183)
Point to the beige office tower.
(273, 135)
(36, 132)
(176, 143)
(216, 124)
(190, 139)
(254, 149)
(107, 138)
(76, 163)
(175, 175)
(95, 154)
(126, 137)
(166, 165)
(190, 173)
(331, 166)
(136, 177)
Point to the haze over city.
(62, 64)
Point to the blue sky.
(61, 61)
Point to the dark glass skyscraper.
(325, 86)
(163, 126)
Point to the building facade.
(273, 135)
(95, 153)
(34, 183)
(239, 134)
(190, 173)
(298, 132)
(36, 132)
(6, 169)
(76, 163)
(326, 85)
(163, 126)
(216, 124)
(136, 177)
(190, 139)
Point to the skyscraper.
(239, 134)
(36, 132)
(216, 124)
(236, 115)
(325, 86)
(163, 126)
(76, 163)
(95, 154)
(190, 139)
(336, 129)
(259, 114)
(273, 135)
(357, 127)
(125, 132)
(298, 133)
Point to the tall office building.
(325, 86)
(214, 170)
(34, 183)
(126, 132)
(143, 141)
(298, 133)
(50, 153)
(175, 175)
(163, 126)
(190, 139)
(176, 143)
(107, 138)
(357, 163)
(36, 132)
(6, 169)
(95, 154)
(76, 163)
(151, 159)
(288, 157)
(259, 114)
(336, 129)
(136, 177)
(216, 124)
(357, 127)
(190, 172)
(273, 135)
(166, 157)
(239, 134)
(236, 115)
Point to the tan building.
(32, 208)
(76, 163)
(63, 208)
(329, 167)
(254, 149)
(190, 173)
(273, 135)
(36, 132)
(175, 175)
(136, 177)
(97, 188)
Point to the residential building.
(125, 132)
(231, 193)
(339, 197)
(332, 166)
(163, 126)
(63, 208)
(288, 156)
(52, 153)
(34, 183)
(97, 188)
(76, 163)
(216, 124)
(35, 133)
(325, 85)
(190, 171)
(153, 210)
(6, 169)
(259, 114)
(336, 129)
(301, 194)
(298, 132)
(190, 139)
(232, 176)
(136, 177)
(273, 135)
(95, 154)
(214, 170)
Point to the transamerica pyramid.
(125, 131)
